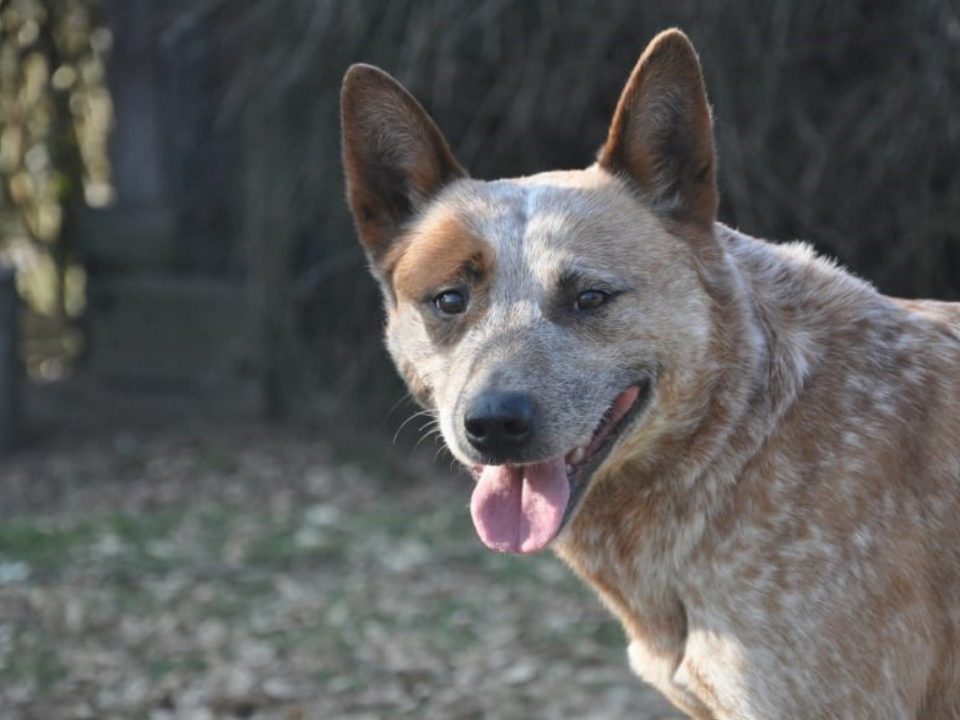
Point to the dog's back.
(848, 538)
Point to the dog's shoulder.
(802, 296)
(943, 315)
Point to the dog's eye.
(450, 302)
(591, 299)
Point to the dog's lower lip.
(579, 474)
(606, 430)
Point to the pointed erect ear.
(394, 156)
(661, 136)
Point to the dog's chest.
(700, 672)
(656, 623)
(695, 670)
(703, 678)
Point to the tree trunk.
(270, 241)
(11, 374)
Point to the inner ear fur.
(394, 156)
(661, 136)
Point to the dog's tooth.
(578, 455)
(569, 469)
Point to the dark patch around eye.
(570, 281)
(574, 285)
(581, 298)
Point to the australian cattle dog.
(750, 454)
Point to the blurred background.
(208, 506)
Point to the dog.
(750, 454)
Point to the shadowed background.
(221, 260)
(171, 200)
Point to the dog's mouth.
(522, 508)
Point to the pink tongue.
(520, 508)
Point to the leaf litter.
(240, 571)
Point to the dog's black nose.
(500, 424)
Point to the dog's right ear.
(394, 156)
(661, 136)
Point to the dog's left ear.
(661, 136)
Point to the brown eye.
(450, 302)
(591, 299)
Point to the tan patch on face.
(441, 251)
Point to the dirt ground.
(218, 569)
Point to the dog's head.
(547, 320)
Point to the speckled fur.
(778, 531)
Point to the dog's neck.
(654, 511)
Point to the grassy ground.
(217, 572)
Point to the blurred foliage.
(836, 122)
(54, 120)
